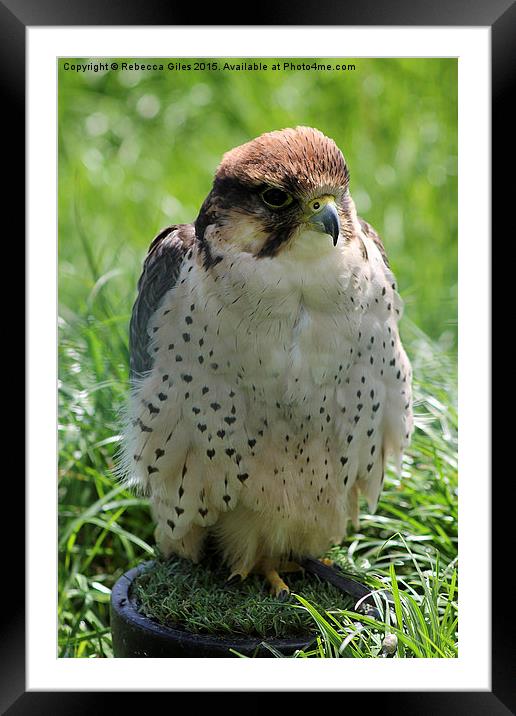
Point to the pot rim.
(124, 604)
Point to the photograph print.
(258, 357)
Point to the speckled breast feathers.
(269, 381)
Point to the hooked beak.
(325, 217)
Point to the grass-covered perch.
(197, 598)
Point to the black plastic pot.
(137, 636)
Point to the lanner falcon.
(269, 383)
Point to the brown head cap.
(300, 160)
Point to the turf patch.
(197, 598)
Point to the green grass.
(137, 151)
(420, 613)
(104, 530)
(420, 609)
(122, 176)
(197, 598)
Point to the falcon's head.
(281, 190)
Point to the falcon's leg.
(278, 588)
(270, 569)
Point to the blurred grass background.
(137, 151)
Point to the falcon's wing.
(371, 233)
(161, 269)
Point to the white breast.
(286, 383)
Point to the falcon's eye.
(277, 198)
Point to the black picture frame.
(500, 16)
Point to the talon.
(269, 568)
(278, 586)
(234, 577)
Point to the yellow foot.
(278, 588)
(328, 562)
(269, 568)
